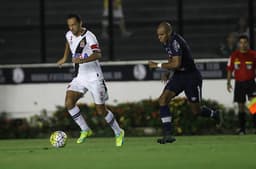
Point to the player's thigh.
(98, 91)
(241, 107)
(101, 109)
(239, 93)
(174, 85)
(195, 107)
(193, 89)
(71, 98)
(166, 97)
(251, 89)
(75, 91)
(78, 85)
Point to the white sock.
(78, 118)
(113, 123)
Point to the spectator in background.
(242, 26)
(229, 46)
(243, 64)
(118, 18)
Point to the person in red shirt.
(242, 63)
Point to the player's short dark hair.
(243, 37)
(76, 16)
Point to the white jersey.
(83, 46)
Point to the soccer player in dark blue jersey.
(186, 77)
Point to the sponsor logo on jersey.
(85, 55)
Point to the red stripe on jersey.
(95, 46)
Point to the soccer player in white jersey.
(85, 55)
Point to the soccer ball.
(58, 139)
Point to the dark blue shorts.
(189, 82)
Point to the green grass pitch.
(189, 152)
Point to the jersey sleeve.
(67, 36)
(93, 43)
(176, 48)
(230, 64)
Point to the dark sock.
(165, 115)
(241, 117)
(207, 112)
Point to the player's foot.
(83, 136)
(120, 139)
(166, 139)
(219, 119)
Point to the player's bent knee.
(163, 101)
(101, 110)
(195, 108)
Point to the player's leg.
(105, 23)
(172, 88)
(120, 21)
(205, 111)
(240, 98)
(71, 98)
(241, 118)
(251, 93)
(74, 92)
(193, 91)
(100, 96)
(166, 116)
(111, 120)
(241, 90)
(109, 117)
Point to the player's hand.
(61, 62)
(229, 87)
(165, 77)
(152, 64)
(77, 60)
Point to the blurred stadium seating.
(205, 24)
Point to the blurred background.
(32, 39)
(33, 31)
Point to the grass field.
(190, 152)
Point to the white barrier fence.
(23, 100)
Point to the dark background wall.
(205, 25)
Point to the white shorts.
(117, 13)
(97, 88)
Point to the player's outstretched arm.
(173, 63)
(65, 56)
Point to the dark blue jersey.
(177, 46)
